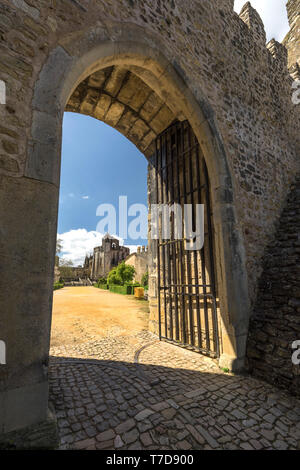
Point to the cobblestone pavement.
(112, 393)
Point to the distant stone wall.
(139, 261)
(275, 324)
(74, 273)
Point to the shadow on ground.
(103, 404)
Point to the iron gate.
(186, 280)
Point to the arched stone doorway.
(119, 96)
(69, 69)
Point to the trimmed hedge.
(124, 290)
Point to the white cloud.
(85, 197)
(77, 243)
(273, 14)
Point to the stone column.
(27, 250)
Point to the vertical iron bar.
(198, 171)
(203, 264)
(181, 254)
(188, 260)
(174, 245)
(212, 263)
(162, 245)
(195, 253)
(168, 137)
(157, 243)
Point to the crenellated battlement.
(292, 39)
(287, 53)
(279, 52)
(254, 22)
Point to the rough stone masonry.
(199, 61)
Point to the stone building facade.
(107, 256)
(138, 66)
(139, 261)
(88, 265)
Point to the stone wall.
(292, 39)
(275, 324)
(216, 70)
(139, 261)
(73, 273)
(225, 60)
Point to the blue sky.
(99, 164)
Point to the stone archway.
(147, 65)
(67, 67)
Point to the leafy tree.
(125, 272)
(65, 262)
(65, 268)
(59, 246)
(113, 278)
(122, 274)
(101, 281)
(145, 279)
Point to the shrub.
(145, 280)
(113, 278)
(121, 275)
(102, 283)
(103, 286)
(58, 285)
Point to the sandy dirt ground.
(82, 313)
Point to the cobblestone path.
(125, 392)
